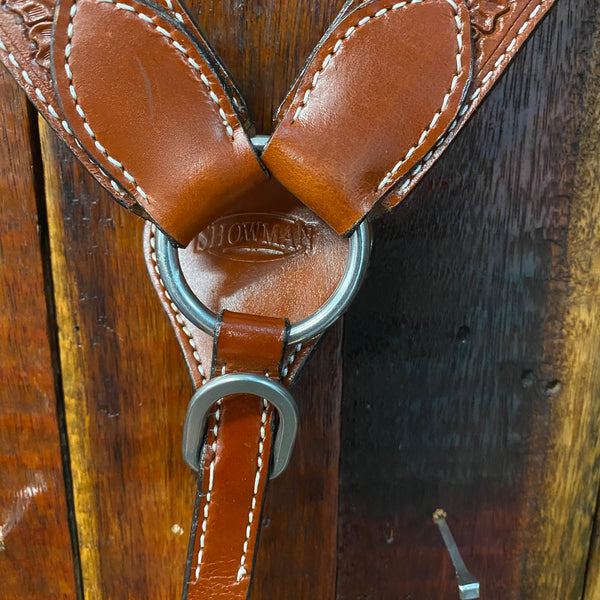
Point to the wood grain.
(592, 582)
(35, 547)
(471, 358)
(471, 377)
(126, 386)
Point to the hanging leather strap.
(235, 464)
(142, 98)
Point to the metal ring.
(167, 258)
(241, 383)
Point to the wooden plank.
(592, 581)
(471, 376)
(35, 548)
(125, 389)
(126, 386)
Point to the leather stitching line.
(178, 16)
(459, 37)
(176, 311)
(180, 48)
(52, 111)
(211, 478)
(261, 446)
(484, 82)
(337, 46)
(113, 161)
(290, 360)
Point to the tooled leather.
(146, 105)
(25, 27)
(366, 111)
(236, 463)
(499, 27)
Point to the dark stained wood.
(264, 43)
(35, 549)
(472, 357)
(126, 386)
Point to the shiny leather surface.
(236, 463)
(376, 97)
(498, 29)
(274, 258)
(139, 95)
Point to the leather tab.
(141, 96)
(383, 87)
(250, 344)
(235, 464)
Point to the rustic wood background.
(468, 373)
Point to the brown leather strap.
(384, 95)
(274, 257)
(140, 96)
(380, 91)
(235, 464)
(25, 40)
(381, 97)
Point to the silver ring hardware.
(167, 258)
(241, 383)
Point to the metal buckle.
(167, 258)
(241, 383)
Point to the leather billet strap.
(137, 93)
(235, 467)
(281, 243)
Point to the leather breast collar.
(138, 94)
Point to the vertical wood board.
(35, 547)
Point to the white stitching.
(78, 107)
(211, 479)
(261, 446)
(349, 32)
(51, 110)
(211, 471)
(80, 111)
(178, 315)
(417, 168)
(181, 49)
(290, 360)
(459, 29)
